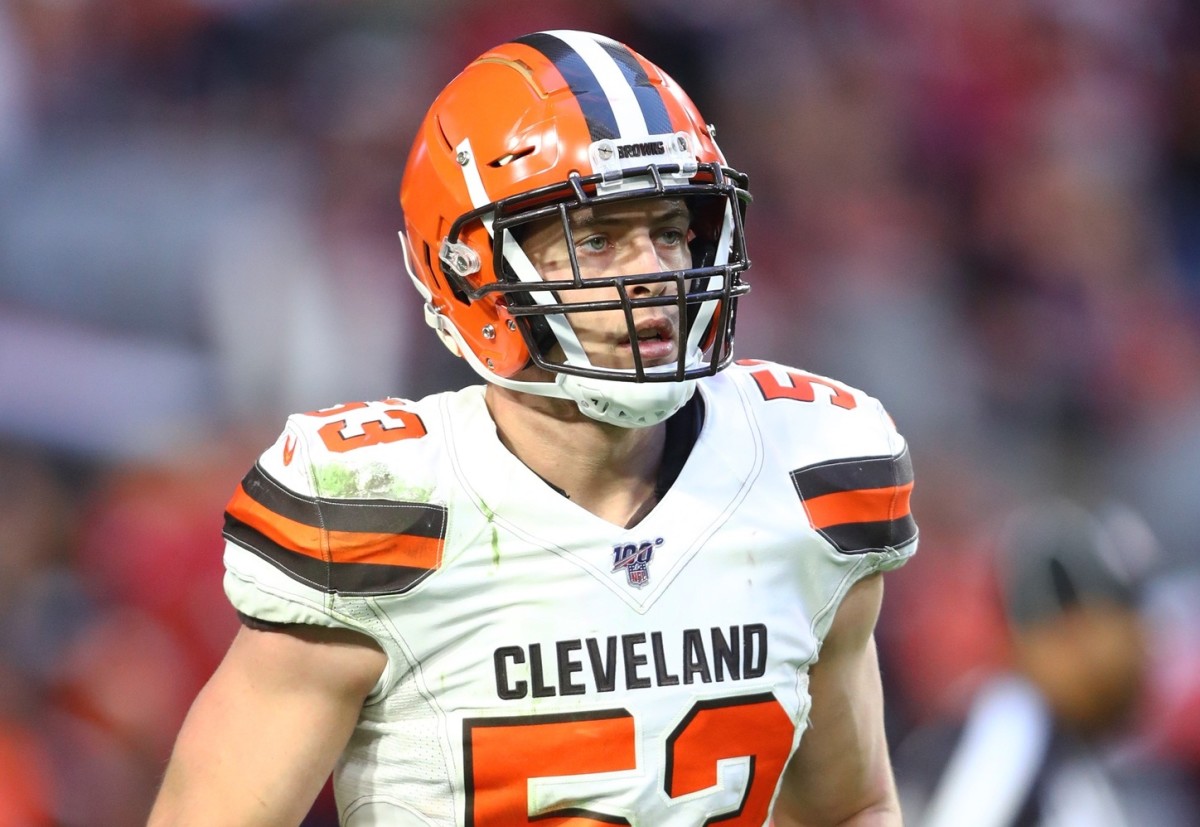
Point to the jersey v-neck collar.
(708, 475)
(683, 429)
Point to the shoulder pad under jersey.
(344, 500)
(849, 465)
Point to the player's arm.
(263, 735)
(841, 774)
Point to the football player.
(624, 580)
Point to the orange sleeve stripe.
(338, 546)
(385, 549)
(865, 505)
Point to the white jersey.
(545, 665)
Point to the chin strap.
(627, 404)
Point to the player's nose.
(644, 257)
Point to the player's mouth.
(655, 341)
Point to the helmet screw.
(491, 365)
(463, 157)
(512, 324)
(489, 332)
(712, 131)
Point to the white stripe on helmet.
(624, 102)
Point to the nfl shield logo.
(635, 559)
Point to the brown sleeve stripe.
(853, 474)
(860, 504)
(858, 538)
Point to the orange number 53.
(360, 424)
(503, 754)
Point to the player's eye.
(672, 237)
(593, 244)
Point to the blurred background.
(985, 214)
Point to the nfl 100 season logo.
(635, 559)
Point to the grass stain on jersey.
(370, 481)
(490, 516)
(335, 480)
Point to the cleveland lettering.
(633, 661)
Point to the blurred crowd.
(986, 214)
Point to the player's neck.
(608, 470)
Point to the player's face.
(620, 239)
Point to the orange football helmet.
(536, 129)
